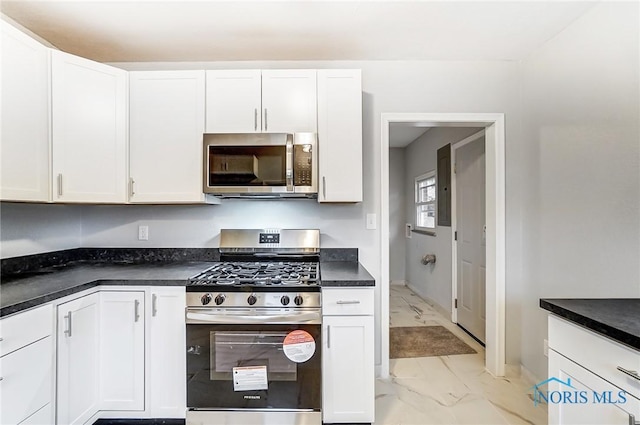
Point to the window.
(426, 201)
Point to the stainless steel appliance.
(261, 165)
(254, 331)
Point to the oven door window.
(247, 165)
(245, 366)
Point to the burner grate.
(259, 274)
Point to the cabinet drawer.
(349, 301)
(24, 328)
(596, 353)
(26, 384)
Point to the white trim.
(454, 222)
(496, 226)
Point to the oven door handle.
(203, 317)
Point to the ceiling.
(144, 31)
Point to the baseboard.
(529, 376)
(398, 282)
(437, 307)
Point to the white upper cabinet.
(234, 101)
(340, 135)
(289, 101)
(267, 101)
(24, 146)
(89, 134)
(165, 147)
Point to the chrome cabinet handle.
(632, 420)
(347, 302)
(328, 336)
(255, 119)
(324, 187)
(154, 305)
(59, 185)
(67, 331)
(265, 119)
(136, 313)
(631, 373)
(131, 191)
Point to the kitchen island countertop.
(615, 318)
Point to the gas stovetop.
(259, 274)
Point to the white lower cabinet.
(166, 353)
(122, 322)
(347, 355)
(585, 386)
(78, 359)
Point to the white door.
(471, 237)
(289, 101)
(165, 145)
(78, 352)
(340, 135)
(89, 130)
(166, 353)
(347, 369)
(233, 101)
(24, 150)
(122, 350)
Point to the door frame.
(454, 221)
(494, 124)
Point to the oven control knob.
(252, 299)
(219, 299)
(298, 300)
(284, 300)
(206, 299)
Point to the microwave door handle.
(289, 165)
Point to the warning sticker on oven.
(299, 346)
(249, 378)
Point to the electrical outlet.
(143, 233)
(545, 348)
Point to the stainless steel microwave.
(262, 165)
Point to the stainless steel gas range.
(253, 331)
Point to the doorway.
(495, 227)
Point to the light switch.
(371, 221)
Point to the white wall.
(581, 179)
(396, 216)
(431, 281)
(32, 228)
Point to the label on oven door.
(250, 378)
(299, 346)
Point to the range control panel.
(269, 237)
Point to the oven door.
(234, 363)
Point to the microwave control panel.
(302, 168)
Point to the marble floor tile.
(448, 389)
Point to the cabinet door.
(122, 351)
(166, 353)
(233, 101)
(347, 369)
(166, 127)
(26, 384)
(289, 101)
(24, 146)
(78, 359)
(340, 135)
(89, 130)
(582, 409)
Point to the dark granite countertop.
(345, 273)
(615, 318)
(33, 288)
(34, 280)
